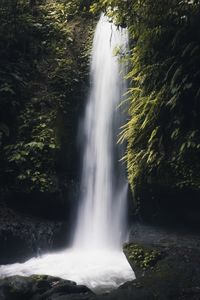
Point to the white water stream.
(101, 218)
(96, 258)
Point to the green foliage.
(163, 132)
(141, 256)
(43, 66)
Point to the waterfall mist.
(96, 258)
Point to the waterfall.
(96, 258)
(103, 198)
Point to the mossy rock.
(171, 273)
(142, 258)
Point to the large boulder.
(40, 287)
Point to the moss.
(141, 256)
(39, 277)
(173, 272)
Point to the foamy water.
(101, 271)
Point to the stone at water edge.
(40, 287)
(142, 258)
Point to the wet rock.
(142, 258)
(166, 263)
(40, 287)
(172, 276)
(22, 237)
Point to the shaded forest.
(44, 58)
(45, 51)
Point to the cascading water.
(104, 187)
(96, 258)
